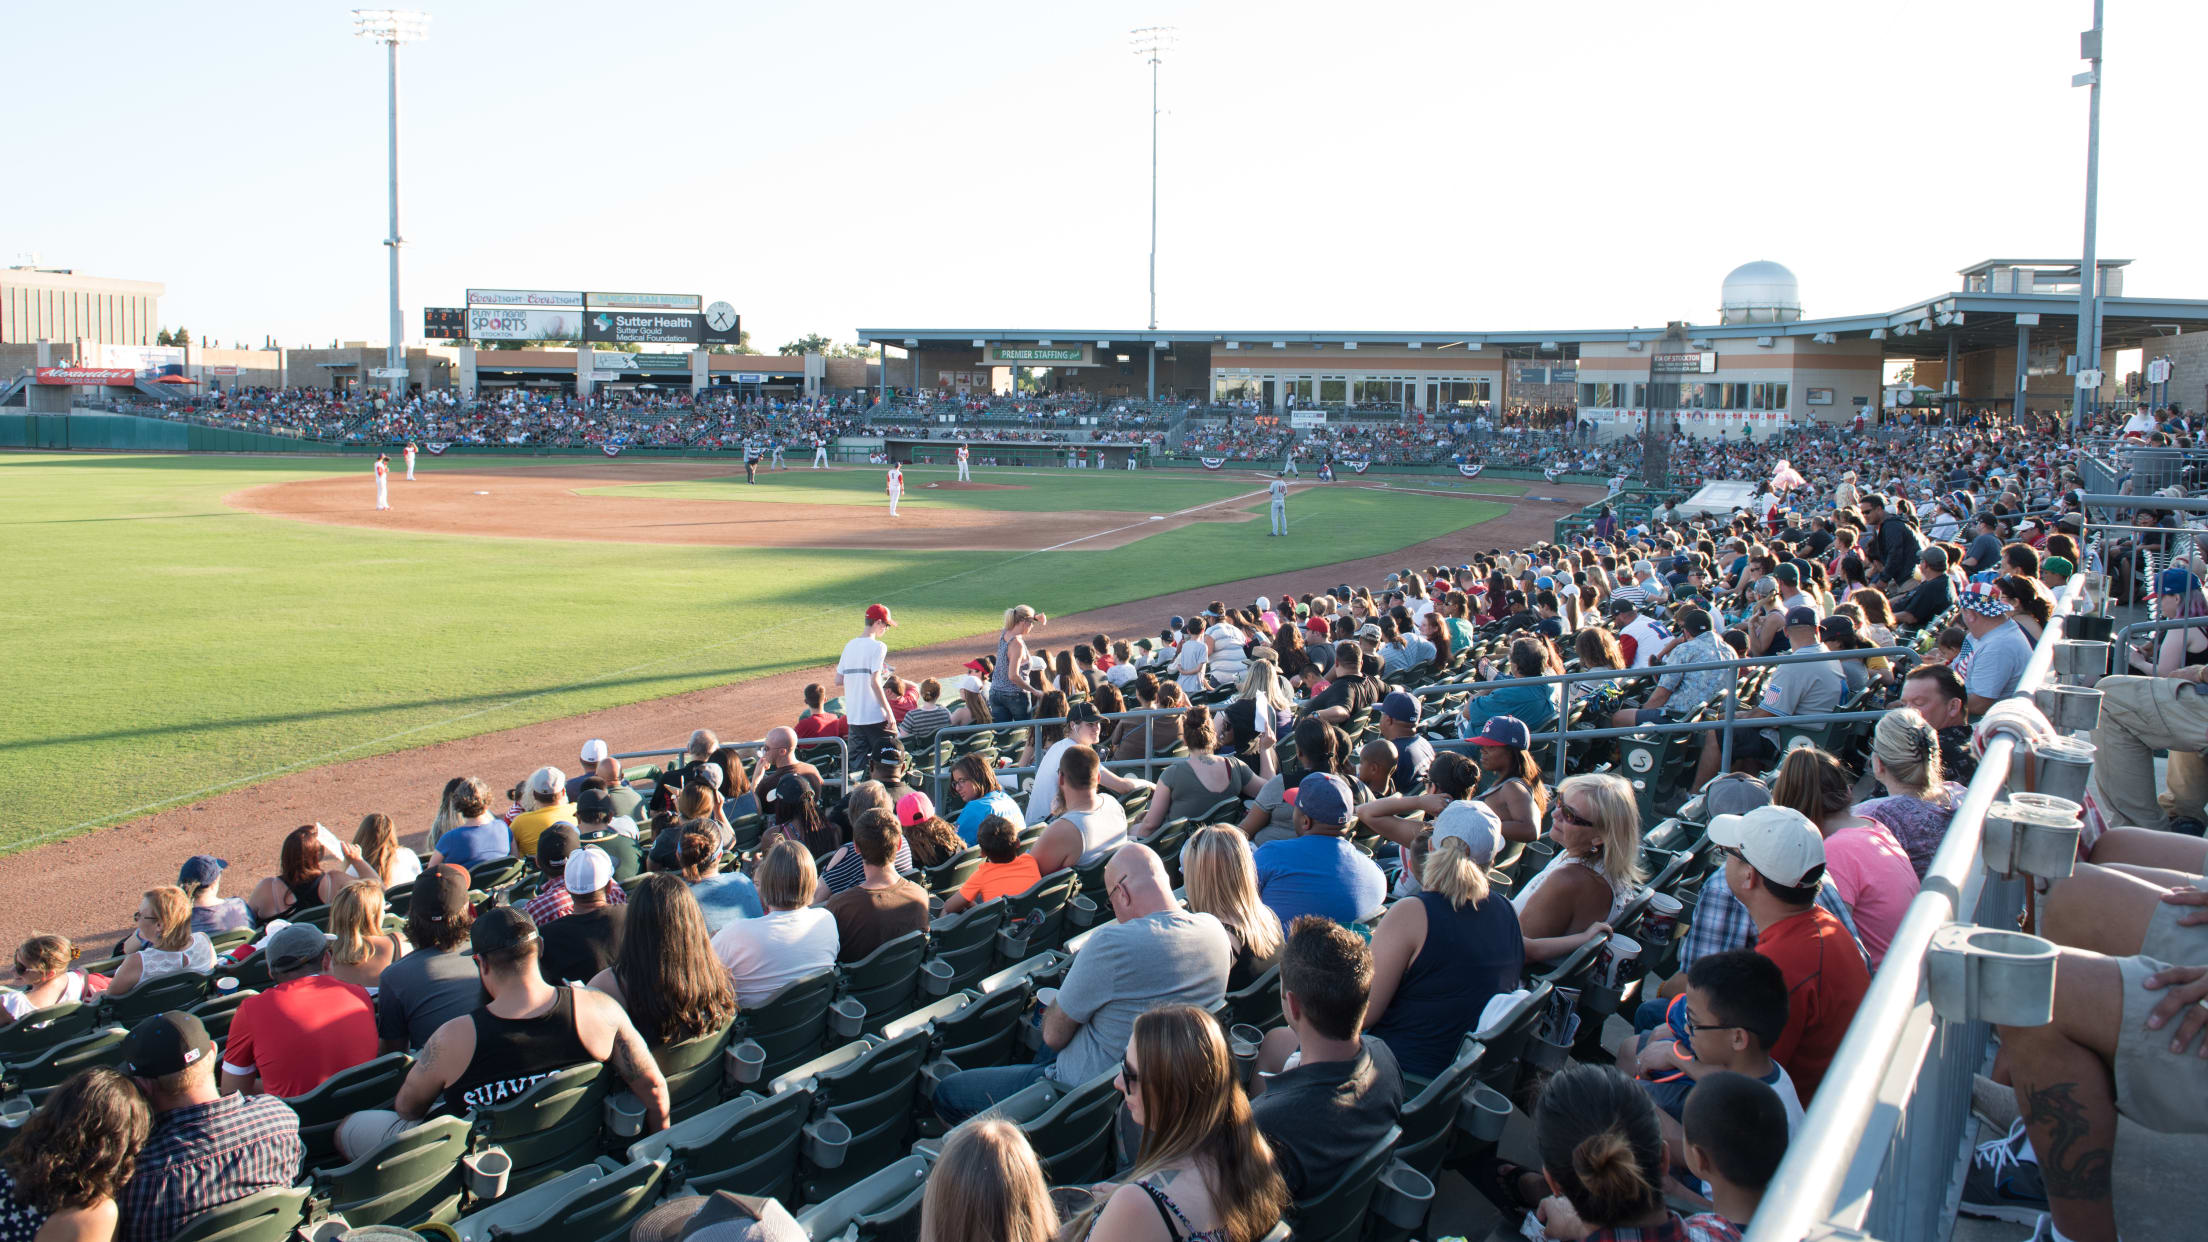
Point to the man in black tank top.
(527, 1031)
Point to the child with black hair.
(1736, 1134)
(1733, 1011)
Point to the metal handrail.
(843, 754)
(1827, 1147)
(1149, 763)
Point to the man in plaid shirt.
(206, 1149)
(553, 848)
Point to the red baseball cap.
(879, 612)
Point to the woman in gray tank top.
(1008, 694)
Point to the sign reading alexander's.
(109, 377)
(643, 328)
(525, 297)
(1039, 355)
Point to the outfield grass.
(160, 646)
(1036, 490)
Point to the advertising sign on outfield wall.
(642, 301)
(643, 328)
(525, 297)
(109, 377)
(498, 323)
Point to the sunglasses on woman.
(1128, 1075)
(1565, 812)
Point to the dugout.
(1076, 455)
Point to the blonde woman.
(1597, 829)
(987, 1184)
(362, 949)
(42, 977)
(1260, 697)
(793, 939)
(1920, 801)
(1222, 882)
(165, 924)
(1008, 692)
(379, 846)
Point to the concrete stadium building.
(2002, 339)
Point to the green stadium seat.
(178, 991)
(872, 1088)
(1338, 1212)
(882, 1206)
(693, 1071)
(27, 1038)
(413, 1178)
(747, 1145)
(882, 984)
(792, 1025)
(595, 1203)
(551, 1127)
(951, 874)
(216, 1011)
(371, 1084)
(966, 945)
(1428, 1119)
(268, 1216)
(1258, 1002)
(40, 1074)
(1070, 1128)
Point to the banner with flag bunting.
(1471, 471)
(437, 447)
(611, 450)
(1213, 463)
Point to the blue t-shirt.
(1413, 756)
(995, 802)
(725, 898)
(470, 844)
(1320, 875)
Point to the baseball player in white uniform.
(410, 461)
(778, 463)
(1279, 490)
(896, 486)
(965, 473)
(1289, 467)
(820, 453)
(383, 481)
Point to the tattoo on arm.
(2068, 1171)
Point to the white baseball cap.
(547, 781)
(1778, 841)
(595, 749)
(1474, 823)
(588, 870)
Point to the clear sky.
(1464, 165)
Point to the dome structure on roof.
(1761, 292)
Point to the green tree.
(161, 337)
(182, 336)
(856, 350)
(810, 343)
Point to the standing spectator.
(865, 659)
(1005, 870)
(1153, 953)
(60, 1177)
(583, 942)
(212, 914)
(475, 836)
(665, 975)
(1008, 696)
(556, 845)
(359, 950)
(1222, 882)
(528, 1031)
(206, 1148)
(289, 1038)
(165, 923)
(791, 940)
(435, 982)
(1198, 1138)
(1319, 871)
(975, 782)
(1346, 1088)
(547, 804)
(987, 1184)
(1774, 861)
(1999, 651)
(883, 905)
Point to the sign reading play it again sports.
(642, 301)
(1040, 355)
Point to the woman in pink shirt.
(1868, 865)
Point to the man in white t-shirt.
(1642, 638)
(1084, 727)
(865, 702)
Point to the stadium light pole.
(1150, 44)
(2083, 399)
(391, 27)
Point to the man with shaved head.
(1153, 953)
(777, 760)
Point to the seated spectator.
(1677, 695)
(920, 725)
(1084, 730)
(1870, 868)
(1088, 826)
(794, 815)
(723, 897)
(1345, 1089)
(844, 869)
(1006, 870)
(1597, 869)
(1319, 871)
(820, 717)
(528, 1031)
(738, 799)
(778, 758)
(1774, 860)
(1934, 692)
(1998, 648)
(1529, 702)
(883, 905)
(1320, 747)
(1198, 1138)
(206, 1148)
(1737, 1132)
(1199, 781)
(790, 940)
(986, 1183)
(42, 978)
(583, 941)
(1802, 689)
(1602, 1153)
(212, 914)
(545, 804)
(1349, 690)
(291, 1036)
(1414, 755)
(2140, 716)
(435, 982)
(1734, 1011)
(626, 800)
(310, 869)
(172, 947)
(360, 951)
(475, 836)
(555, 846)
(975, 783)
(62, 1175)
(1510, 777)
(392, 863)
(665, 974)
(1441, 955)
(1222, 882)
(1153, 953)
(1376, 767)
(595, 817)
(931, 839)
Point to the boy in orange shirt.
(1008, 869)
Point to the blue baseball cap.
(1801, 614)
(201, 870)
(1180, 623)
(2176, 580)
(1399, 706)
(1323, 798)
(1504, 731)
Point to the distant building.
(60, 305)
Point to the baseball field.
(184, 631)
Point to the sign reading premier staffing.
(1039, 355)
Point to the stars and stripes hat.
(1986, 600)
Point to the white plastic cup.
(14, 1111)
(1619, 955)
(1660, 921)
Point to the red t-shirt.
(821, 724)
(298, 1033)
(1825, 981)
